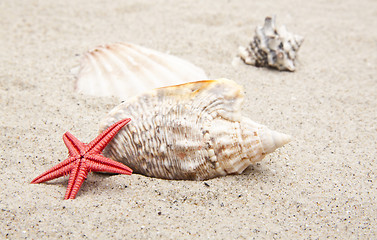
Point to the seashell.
(193, 131)
(124, 70)
(272, 47)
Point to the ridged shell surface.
(272, 47)
(192, 131)
(125, 70)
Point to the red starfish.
(84, 158)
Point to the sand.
(323, 184)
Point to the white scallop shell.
(191, 131)
(272, 47)
(124, 70)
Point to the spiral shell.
(191, 131)
(272, 47)
(124, 70)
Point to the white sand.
(323, 184)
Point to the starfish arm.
(75, 146)
(100, 163)
(59, 170)
(76, 179)
(100, 142)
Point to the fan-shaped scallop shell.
(190, 131)
(124, 70)
(272, 47)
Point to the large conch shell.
(190, 131)
(272, 47)
(125, 70)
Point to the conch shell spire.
(272, 140)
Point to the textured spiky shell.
(272, 47)
(125, 70)
(189, 131)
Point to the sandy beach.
(321, 185)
